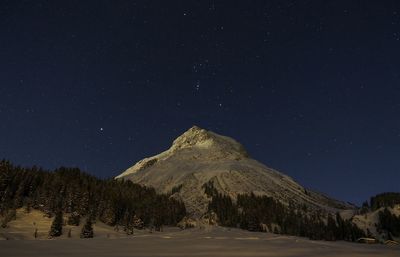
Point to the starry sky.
(310, 88)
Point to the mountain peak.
(194, 128)
(195, 131)
(197, 137)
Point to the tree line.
(71, 192)
(262, 213)
(389, 223)
(388, 199)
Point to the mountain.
(198, 157)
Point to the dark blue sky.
(311, 88)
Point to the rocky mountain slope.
(199, 156)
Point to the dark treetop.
(310, 88)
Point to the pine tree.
(365, 208)
(87, 229)
(137, 222)
(74, 219)
(10, 215)
(331, 229)
(56, 226)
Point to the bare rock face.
(199, 156)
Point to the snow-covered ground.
(215, 241)
(25, 225)
(369, 220)
(203, 241)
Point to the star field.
(310, 88)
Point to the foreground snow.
(214, 241)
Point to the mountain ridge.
(199, 156)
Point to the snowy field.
(193, 242)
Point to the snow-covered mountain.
(199, 156)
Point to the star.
(197, 86)
(101, 129)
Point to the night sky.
(310, 88)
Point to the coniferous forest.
(68, 191)
(72, 194)
(390, 223)
(262, 213)
(384, 200)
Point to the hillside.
(75, 198)
(199, 157)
